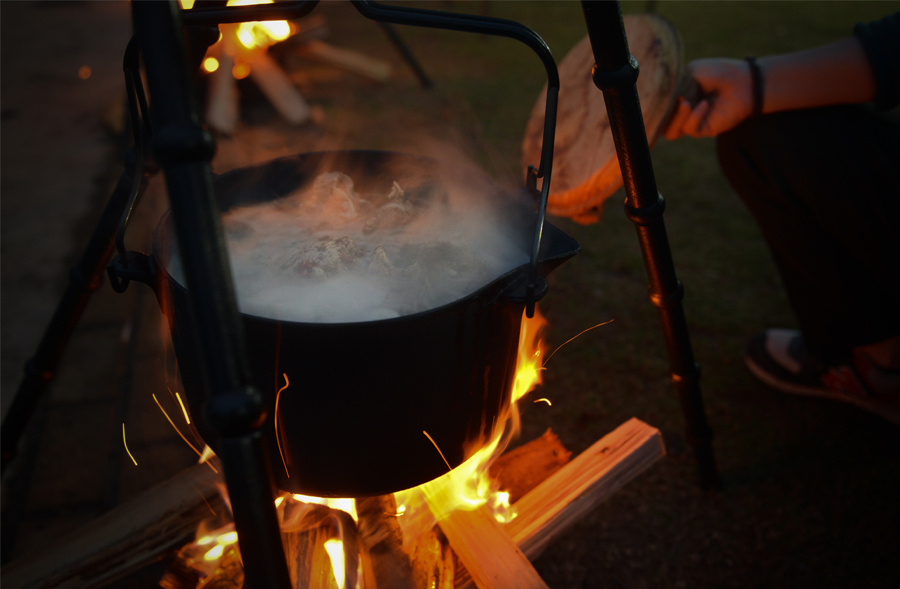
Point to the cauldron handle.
(502, 28)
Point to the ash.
(330, 253)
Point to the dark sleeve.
(881, 41)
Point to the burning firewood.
(277, 87)
(352, 61)
(387, 565)
(523, 468)
(222, 104)
(133, 535)
(475, 534)
(144, 530)
(434, 563)
(242, 52)
(322, 544)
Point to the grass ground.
(808, 496)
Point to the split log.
(386, 565)
(125, 539)
(352, 61)
(488, 553)
(593, 476)
(166, 517)
(434, 563)
(309, 562)
(521, 469)
(277, 87)
(223, 102)
(563, 499)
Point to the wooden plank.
(347, 59)
(487, 551)
(593, 476)
(565, 497)
(166, 517)
(126, 538)
(223, 100)
(277, 87)
(386, 565)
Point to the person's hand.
(724, 90)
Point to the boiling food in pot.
(330, 252)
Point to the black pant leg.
(824, 186)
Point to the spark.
(208, 506)
(186, 441)
(187, 417)
(287, 383)
(544, 400)
(124, 441)
(430, 439)
(575, 337)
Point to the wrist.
(757, 86)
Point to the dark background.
(809, 486)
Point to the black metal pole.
(235, 409)
(84, 278)
(615, 73)
(407, 54)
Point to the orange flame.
(468, 486)
(237, 41)
(263, 33)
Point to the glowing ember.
(342, 504)
(210, 64)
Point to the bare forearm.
(837, 73)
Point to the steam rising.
(356, 245)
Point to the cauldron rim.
(489, 292)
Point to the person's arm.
(837, 73)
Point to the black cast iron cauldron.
(362, 395)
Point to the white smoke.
(334, 252)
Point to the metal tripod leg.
(407, 55)
(85, 278)
(235, 409)
(615, 73)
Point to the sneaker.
(780, 359)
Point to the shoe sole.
(887, 412)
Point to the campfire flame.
(469, 486)
(260, 34)
(238, 40)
